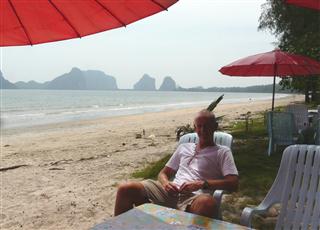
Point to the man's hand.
(171, 188)
(164, 176)
(188, 187)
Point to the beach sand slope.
(64, 176)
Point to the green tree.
(297, 30)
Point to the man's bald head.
(208, 116)
(205, 124)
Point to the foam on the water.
(24, 108)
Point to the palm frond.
(215, 103)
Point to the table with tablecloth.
(151, 216)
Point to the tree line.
(297, 31)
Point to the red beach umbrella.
(274, 63)
(312, 4)
(29, 22)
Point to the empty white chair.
(317, 132)
(300, 113)
(280, 130)
(315, 115)
(296, 188)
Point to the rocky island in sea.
(168, 84)
(146, 83)
(78, 79)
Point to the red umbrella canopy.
(274, 63)
(29, 22)
(312, 4)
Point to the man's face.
(204, 128)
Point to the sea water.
(24, 108)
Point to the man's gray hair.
(210, 115)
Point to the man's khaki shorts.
(157, 195)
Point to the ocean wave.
(68, 109)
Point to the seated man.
(197, 169)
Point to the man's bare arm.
(229, 183)
(164, 178)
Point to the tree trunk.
(313, 96)
(312, 84)
(306, 96)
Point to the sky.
(190, 42)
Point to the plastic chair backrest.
(298, 182)
(317, 130)
(316, 116)
(281, 127)
(189, 138)
(297, 189)
(300, 113)
(220, 138)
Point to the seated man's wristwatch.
(205, 185)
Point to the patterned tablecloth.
(151, 216)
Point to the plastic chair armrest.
(217, 195)
(247, 214)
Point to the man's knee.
(131, 189)
(204, 201)
(204, 205)
(129, 195)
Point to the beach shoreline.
(68, 172)
(89, 121)
(25, 109)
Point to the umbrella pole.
(273, 91)
(274, 86)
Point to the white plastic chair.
(315, 115)
(280, 130)
(296, 188)
(220, 138)
(317, 132)
(300, 113)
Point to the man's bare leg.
(128, 195)
(204, 205)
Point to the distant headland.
(77, 79)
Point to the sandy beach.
(67, 174)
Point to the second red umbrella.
(274, 63)
(311, 4)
